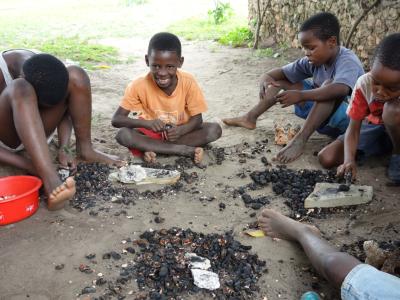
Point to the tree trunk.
(260, 20)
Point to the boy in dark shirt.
(334, 71)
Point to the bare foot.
(198, 155)
(150, 157)
(276, 225)
(93, 155)
(291, 152)
(242, 121)
(61, 194)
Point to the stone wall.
(283, 18)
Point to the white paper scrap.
(205, 279)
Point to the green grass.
(266, 52)
(69, 29)
(239, 37)
(73, 29)
(204, 28)
(88, 19)
(88, 55)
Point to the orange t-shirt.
(144, 97)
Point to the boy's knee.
(326, 159)
(21, 90)
(78, 76)
(391, 113)
(124, 136)
(331, 261)
(214, 132)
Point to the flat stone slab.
(334, 194)
(136, 174)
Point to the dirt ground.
(30, 250)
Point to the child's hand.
(287, 98)
(174, 133)
(265, 85)
(156, 125)
(347, 167)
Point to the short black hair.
(48, 76)
(165, 41)
(388, 52)
(324, 25)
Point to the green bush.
(240, 36)
(221, 13)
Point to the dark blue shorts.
(335, 125)
(373, 140)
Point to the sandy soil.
(31, 249)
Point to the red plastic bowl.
(19, 198)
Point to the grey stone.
(330, 195)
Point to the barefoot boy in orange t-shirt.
(169, 104)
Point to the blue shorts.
(373, 140)
(335, 125)
(366, 282)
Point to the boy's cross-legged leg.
(207, 133)
(131, 138)
(188, 145)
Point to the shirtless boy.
(38, 95)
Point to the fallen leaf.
(255, 233)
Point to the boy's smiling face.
(386, 82)
(318, 52)
(163, 66)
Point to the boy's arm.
(176, 132)
(348, 70)
(273, 75)
(350, 148)
(19, 161)
(121, 119)
(327, 92)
